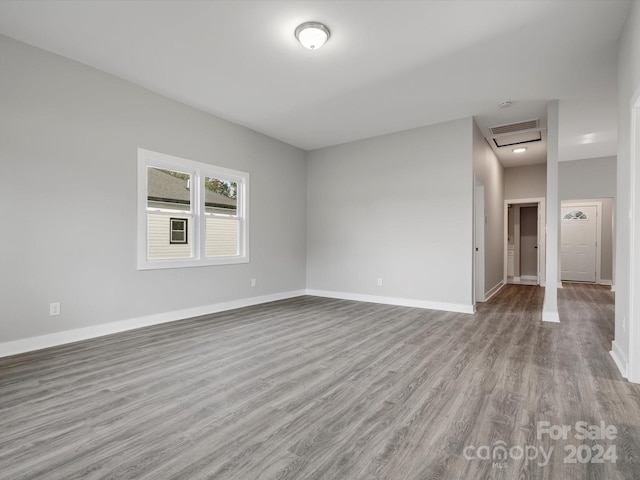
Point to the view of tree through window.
(223, 187)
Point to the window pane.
(177, 237)
(168, 190)
(161, 236)
(222, 236)
(178, 224)
(221, 196)
(222, 229)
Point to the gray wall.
(590, 178)
(68, 140)
(397, 207)
(593, 178)
(490, 172)
(525, 182)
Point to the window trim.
(197, 170)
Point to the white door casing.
(478, 254)
(578, 243)
(632, 320)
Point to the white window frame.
(197, 170)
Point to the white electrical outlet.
(54, 309)
(254, 282)
(379, 282)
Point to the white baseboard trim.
(524, 280)
(560, 285)
(620, 359)
(493, 291)
(613, 288)
(403, 302)
(551, 317)
(605, 282)
(69, 336)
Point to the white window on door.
(575, 215)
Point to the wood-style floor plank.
(315, 388)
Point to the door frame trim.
(479, 294)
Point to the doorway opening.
(524, 241)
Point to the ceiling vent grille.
(515, 127)
(517, 138)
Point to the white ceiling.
(388, 66)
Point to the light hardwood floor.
(314, 388)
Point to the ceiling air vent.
(518, 138)
(514, 127)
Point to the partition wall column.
(550, 305)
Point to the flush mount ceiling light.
(312, 35)
(519, 150)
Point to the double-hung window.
(190, 213)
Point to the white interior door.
(578, 244)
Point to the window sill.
(190, 262)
